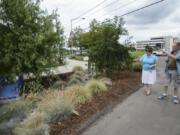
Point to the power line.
(117, 9)
(149, 5)
(112, 3)
(141, 8)
(90, 9)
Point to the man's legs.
(175, 98)
(165, 89)
(164, 93)
(175, 91)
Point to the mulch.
(121, 85)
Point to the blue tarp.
(10, 92)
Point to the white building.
(164, 42)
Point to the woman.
(149, 69)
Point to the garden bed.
(122, 84)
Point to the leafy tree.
(106, 54)
(77, 39)
(30, 38)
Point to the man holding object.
(172, 71)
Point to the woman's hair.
(149, 49)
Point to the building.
(164, 42)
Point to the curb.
(105, 111)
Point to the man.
(172, 71)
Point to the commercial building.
(164, 42)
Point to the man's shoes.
(162, 96)
(175, 99)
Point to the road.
(142, 115)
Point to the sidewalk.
(142, 115)
(64, 69)
(69, 66)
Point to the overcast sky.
(159, 20)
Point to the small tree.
(106, 54)
(30, 38)
(76, 38)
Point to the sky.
(162, 19)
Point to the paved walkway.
(142, 115)
(69, 66)
(66, 68)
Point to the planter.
(10, 92)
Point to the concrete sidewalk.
(142, 115)
(69, 66)
(63, 69)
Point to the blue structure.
(10, 92)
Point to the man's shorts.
(172, 76)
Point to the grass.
(56, 105)
(80, 58)
(77, 68)
(35, 124)
(60, 85)
(137, 54)
(137, 66)
(96, 86)
(78, 94)
(12, 114)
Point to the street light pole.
(71, 21)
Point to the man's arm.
(170, 55)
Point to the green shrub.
(12, 114)
(80, 58)
(79, 73)
(77, 68)
(59, 85)
(35, 124)
(77, 77)
(137, 67)
(96, 86)
(74, 81)
(78, 94)
(137, 54)
(72, 57)
(34, 86)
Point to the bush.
(80, 58)
(137, 67)
(137, 54)
(74, 81)
(13, 113)
(78, 94)
(77, 68)
(35, 124)
(56, 105)
(59, 85)
(79, 73)
(72, 57)
(96, 86)
(106, 80)
(77, 77)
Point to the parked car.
(158, 53)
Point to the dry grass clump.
(96, 86)
(77, 68)
(35, 124)
(57, 106)
(60, 85)
(12, 114)
(78, 94)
